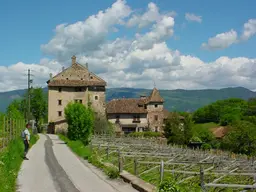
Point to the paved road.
(53, 167)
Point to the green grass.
(10, 162)
(77, 147)
(205, 126)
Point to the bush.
(169, 186)
(80, 121)
(195, 139)
(206, 146)
(112, 172)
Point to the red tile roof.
(125, 106)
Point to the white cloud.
(249, 29)
(152, 15)
(193, 17)
(221, 41)
(224, 40)
(133, 62)
(85, 36)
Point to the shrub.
(206, 146)
(80, 121)
(112, 172)
(169, 186)
(195, 139)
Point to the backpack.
(23, 134)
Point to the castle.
(76, 83)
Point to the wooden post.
(120, 163)
(4, 136)
(202, 178)
(135, 166)
(107, 152)
(161, 171)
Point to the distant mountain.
(179, 99)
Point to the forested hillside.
(179, 100)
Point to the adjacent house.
(75, 83)
(141, 114)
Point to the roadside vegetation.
(11, 156)
(10, 161)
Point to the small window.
(60, 113)
(60, 102)
(60, 89)
(66, 78)
(156, 117)
(96, 97)
(156, 129)
(82, 79)
(145, 106)
(81, 101)
(156, 105)
(91, 77)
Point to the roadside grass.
(85, 152)
(10, 162)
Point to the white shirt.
(26, 131)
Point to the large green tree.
(173, 130)
(222, 111)
(241, 138)
(80, 121)
(38, 104)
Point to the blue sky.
(26, 25)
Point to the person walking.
(26, 139)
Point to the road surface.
(53, 167)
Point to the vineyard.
(196, 169)
(9, 130)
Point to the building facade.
(142, 114)
(74, 84)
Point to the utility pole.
(28, 96)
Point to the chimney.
(63, 68)
(50, 76)
(142, 96)
(73, 60)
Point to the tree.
(38, 104)
(173, 130)
(188, 124)
(14, 111)
(102, 125)
(242, 138)
(80, 121)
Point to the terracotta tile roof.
(155, 96)
(219, 132)
(76, 70)
(125, 106)
(75, 83)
